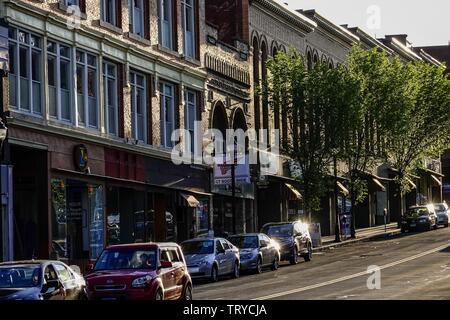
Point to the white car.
(442, 211)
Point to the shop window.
(59, 219)
(95, 203)
(201, 219)
(138, 106)
(25, 76)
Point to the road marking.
(356, 275)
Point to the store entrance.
(30, 227)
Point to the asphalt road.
(412, 266)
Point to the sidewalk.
(361, 234)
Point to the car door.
(51, 276)
(229, 255)
(178, 271)
(263, 248)
(270, 250)
(221, 258)
(68, 281)
(301, 238)
(167, 275)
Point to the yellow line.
(356, 275)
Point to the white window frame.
(57, 57)
(162, 30)
(193, 105)
(29, 78)
(85, 90)
(133, 13)
(134, 88)
(185, 6)
(106, 102)
(104, 4)
(166, 140)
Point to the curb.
(363, 238)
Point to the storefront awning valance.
(296, 193)
(378, 185)
(343, 189)
(191, 201)
(437, 180)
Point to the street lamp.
(337, 229)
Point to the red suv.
(155, 271)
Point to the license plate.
(193, 270)
(109, 299)
(412, 225)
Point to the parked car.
(256, 250)
(40, 280)
(294, 239)
(442, 211)
(151, 271)
(211, 258)
(419, 218)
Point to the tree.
(315, 117)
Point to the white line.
(356, 275)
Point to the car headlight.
(423, 220)
(141, 282)
(203, 262)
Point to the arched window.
(220, 120)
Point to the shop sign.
(81, 158)
(222, 172)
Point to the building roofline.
(364, 36)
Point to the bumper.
(442, 221)
(414, 225)
(198, 272)
(130, 294)
(249, 264)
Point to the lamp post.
(337, 228)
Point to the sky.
(425, 22)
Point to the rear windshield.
(198, 247)
(244, 242)
(127, 259)
(19, 276)
(417, 212)
(283, 230)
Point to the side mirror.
(166, 265)
(89, 268)
(51, 286)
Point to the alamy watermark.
(374, 280)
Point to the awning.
(379, 185)
(438, 181)
(344, 190)
(190, 200)
(411, 183)
(294, 191)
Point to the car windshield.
(244, 242)
(416, 212)
(198, 247)
(440, 207)
(124, 259)
(283, 230)
(19, 276)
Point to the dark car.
(209, 258)
(293, 237)
(256, 251)
(151, 271)
(40, 280)
(419, 218)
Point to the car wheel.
(236, 270)
(258, 268)
(159, 295)
(188, 293)
(308, 256)
(446, 225)
(275, 264)
(214, 274)
(294, 258)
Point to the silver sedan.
(442, 211)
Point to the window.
(59, 81)
(190, 111)
(219, 246)
(225, 244)
(109, 11)
(165, 13)
(87, 89)
(64, 274)
(136, 14)
(138, 107)
(188, 14)
(71, 2)
(25, 75)
(167, 107)
(110, 98)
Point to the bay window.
(59, 81)
(86, 89)
(190, 114)
(188, 14)
(136, 16)
(167, 114)
(110, 88)
(165, 23)
(25, 76)
(138, 106)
